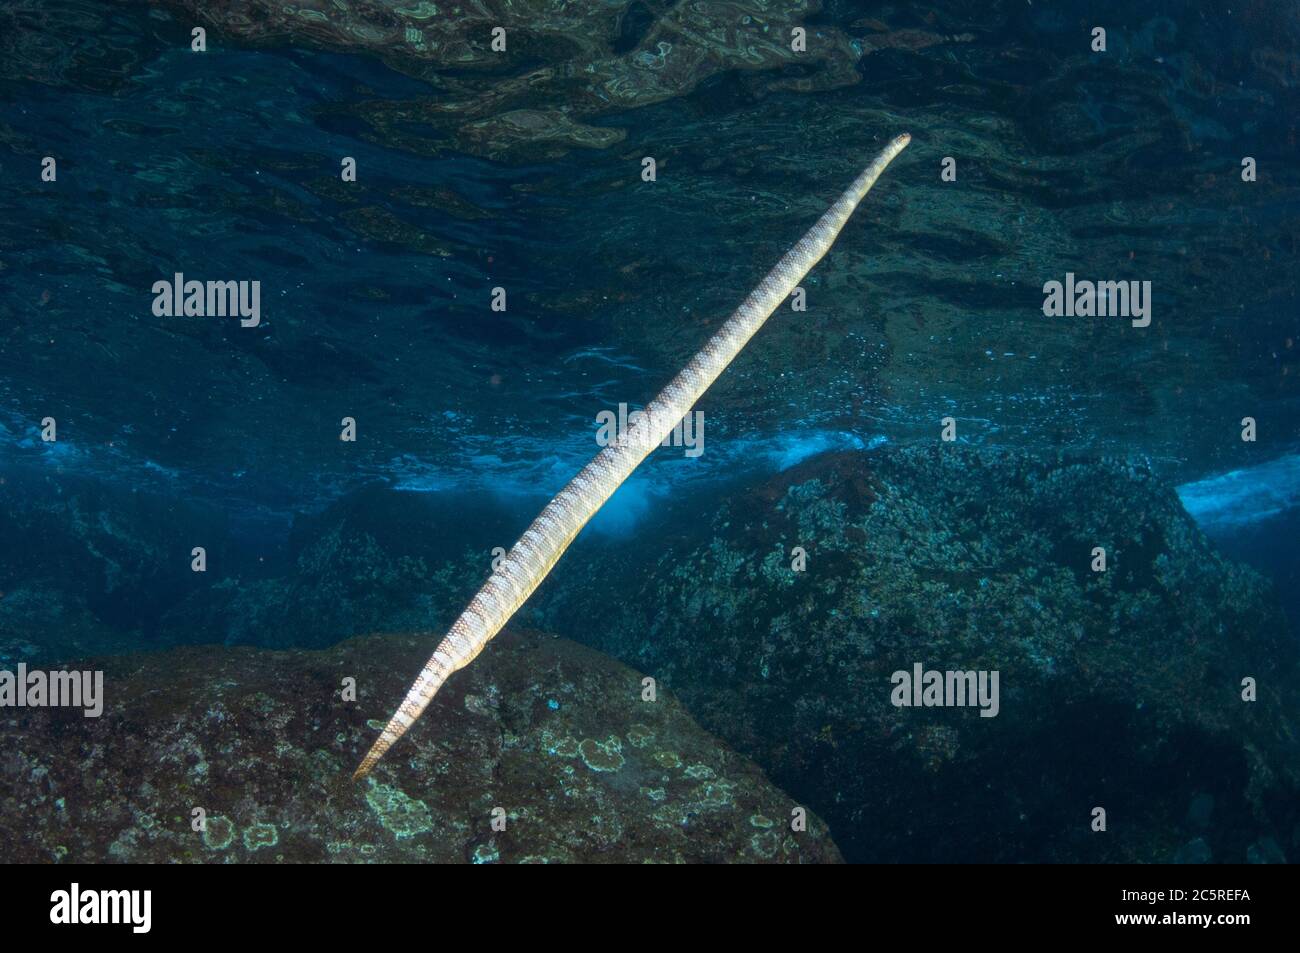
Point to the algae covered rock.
(1120, 689)
(542, 751)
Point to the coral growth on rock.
(544, 751)
(1120, 689)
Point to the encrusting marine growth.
(523, 568)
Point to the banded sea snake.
(526, 564)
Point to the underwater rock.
(1193, 852)
(375, 560)
(88, 555)
(1265, 851)
(554, 735)
(1120, 689)
(39, 623)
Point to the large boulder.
(1120, 689)
(555, 735)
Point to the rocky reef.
(1120, 689)
(543, 751)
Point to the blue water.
(213, 165)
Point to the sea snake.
(531, 558)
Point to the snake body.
(524, 567)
